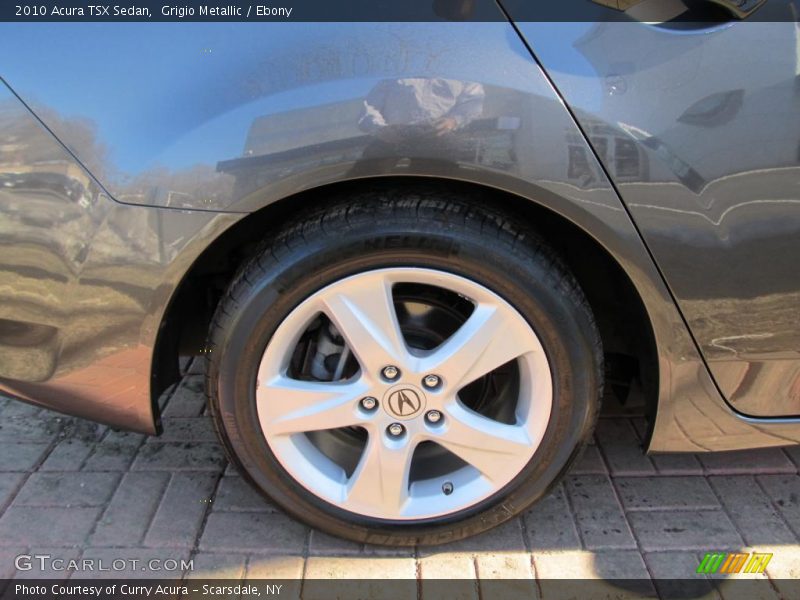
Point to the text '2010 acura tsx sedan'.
(415, 256)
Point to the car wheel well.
(625, 328)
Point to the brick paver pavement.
(74, 489)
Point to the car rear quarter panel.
(698, 126)
(236, 117)
(84, 280)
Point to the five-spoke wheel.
(404, 370)
(404, 397)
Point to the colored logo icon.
(734, 562)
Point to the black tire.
(410, 228)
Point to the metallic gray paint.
(233, 118)
(84, 280)
(708, 119)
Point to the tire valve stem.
(447, 488)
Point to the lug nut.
(391, 373)
(433, 416)
(395, 429)
(431, 381)
(368, 403)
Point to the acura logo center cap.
(404, 401)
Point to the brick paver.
(16, 456)
(128, 515)
(685, 530)
(651, 493)
(179, 517)
(601, 521)
(77, 489)
(74, 489)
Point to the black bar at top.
(146, 11)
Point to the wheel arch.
(626, 325)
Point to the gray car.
(415, 256)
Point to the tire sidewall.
(525, 279)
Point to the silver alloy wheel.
(490, 453)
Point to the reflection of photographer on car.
(397, 110)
